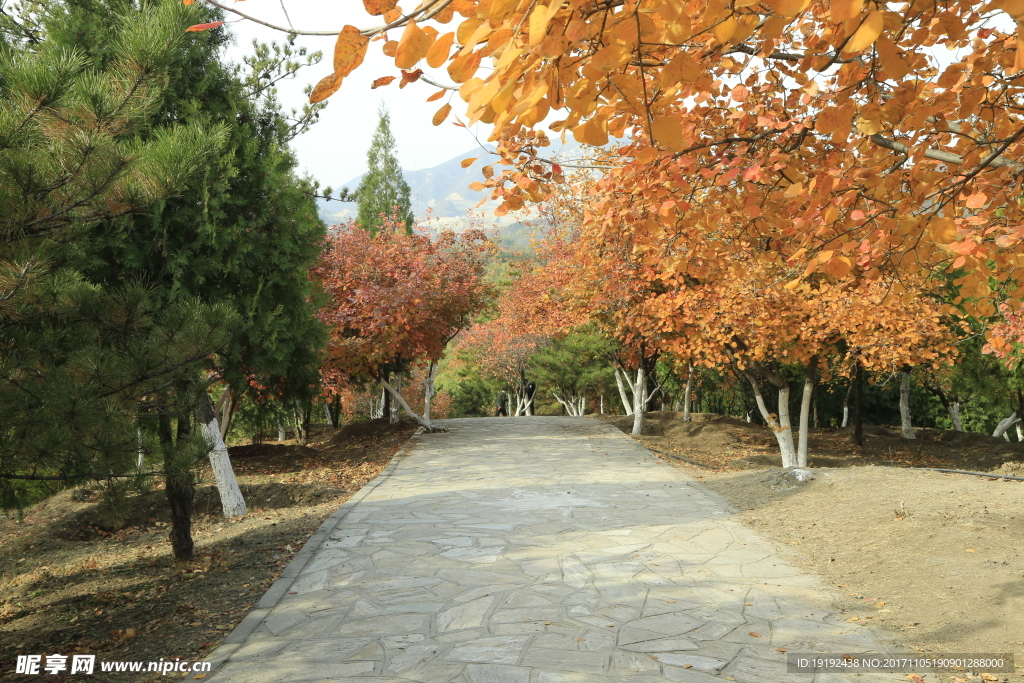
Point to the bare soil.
(70, 582)
(934, 562)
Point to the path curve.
(539, 550)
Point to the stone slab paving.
(539, 550)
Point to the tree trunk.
(282, 434)
(622, 390)
(858, 406)
(954, 416)
(846, 401)
(385, 397)
(428, 390)
(405, 406)
(396, 413)
(302, 417)
(780, 427)
(688, 395)
(639, 399)
(805, 409)
(226, 406)
(905, 421)
(328, 415)
(180, 492)
(1006, 424)
(231, 499)
(602, 404)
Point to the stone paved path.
(540, 550)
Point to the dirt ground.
(933, 562)
(70, 583)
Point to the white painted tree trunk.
(282, 434)
(954, 416)
(905, 420)
(622, 391)
(428, 389)
(327, 414)
(780, 426)
(1020, 432)
(639, 400)
(141, 459)
(602, 405)
(405, 406)
(846, 415)
(805, 413)
(395, 410)
(231, 499)
(1006, 424)
(688, 395)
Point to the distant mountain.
(441, 197)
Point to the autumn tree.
(395, 298)
(383, 192)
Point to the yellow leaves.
(867, 33)
(325, 88)
(723, 30)
(944, 230)
(413, 46)
(467, 29)
(611, 57)
(349, 50)
(892, 61)
(539, 20)
(378, 7)
(463, 67)
(842, 10)
(838, 266)
(466, 163)
(794, 190)
(439, 51)
(668, 133)
(788, 8)
(1015, 8)
(682, 68)
(868, 126)
(441, 115)
(593, 132)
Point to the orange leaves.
(944, 230)
(463, 67)
(838, 266)
(438, 53)
(349, 50)
(378, 7)
(413, 46)
(668, 133)
(867, 33)
(381, 82)
(441, 114)
(204, 27)
(841, 10)
(610, 58)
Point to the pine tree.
(383, 190)
(87, 366)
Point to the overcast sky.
(334, 150)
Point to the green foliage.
(575, 366)
(383, 190)
(84, 363)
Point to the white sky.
(334, 150)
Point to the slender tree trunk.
(226, 412)
(602, 404)
(231, 499)
(626, 405)
(639, 399)
(405, 406)
(396, 413)
(385, 398)
(688, 394)
(846, 401)
(858, 407)
(780, 426)
(428, 390)
(805, 409)
(815, 406)
(905, 420)
(282, 434)
(1005, 424)
(327, 414)
(954, 416)
(179, 490)
(302, 418)
(140, 461)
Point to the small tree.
(383, 191)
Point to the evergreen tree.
(86, 364)
(383, 190)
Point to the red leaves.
(203, 27)
(396, 294)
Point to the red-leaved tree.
(395, 299)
